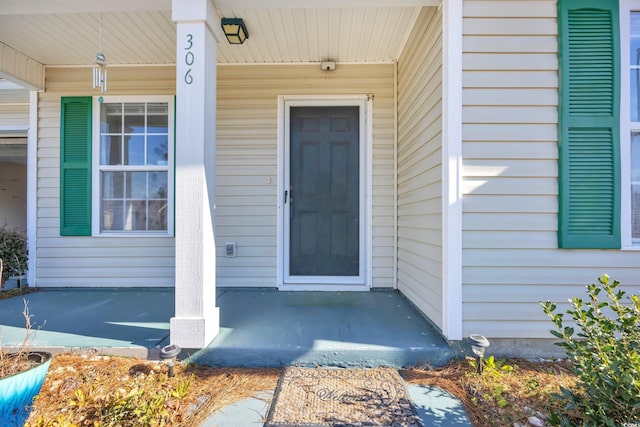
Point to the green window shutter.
(75, 166)
(589, 124)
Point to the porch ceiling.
(66, 32)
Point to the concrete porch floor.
(265, 328)
(258, 327)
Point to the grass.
(102, 391)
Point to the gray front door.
(324, 213)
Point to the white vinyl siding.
(92, 261)
(246, 162)
(14, 117)
(510, 175)
(420, 166)
(14, 112)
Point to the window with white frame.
(630, 121)
(133, 166)
(634, 117)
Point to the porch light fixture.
(168, 354)
(478, 345)
(100, 67)
(235, 30)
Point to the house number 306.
(188, 59)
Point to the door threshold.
(323, 287)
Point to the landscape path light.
(478, 344)
(168, 354)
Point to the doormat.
(341, 397)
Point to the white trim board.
(32, 189)
(364, 280)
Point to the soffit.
(280, 35)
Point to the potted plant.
(22, 373)
(13, 255)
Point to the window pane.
(110, 150)
(635, 185)
(112, 215)
(134, 118)
(157, 185)
(111, 118)
(137, 185)
(158, 117)
(135, 216)
(635, 94)
(112, 185)
(635, 39)
(157, 150)
(158, 215)
(134, 150)
(634, 60)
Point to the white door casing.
(361, 282)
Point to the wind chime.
(100, 67)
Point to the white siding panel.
(502, 185)
(499, 61)
(511, 79)
(503, 97)
(246, 161)
(508, 132)
(14, 116)
(509, 114)
(510, 168)
(14, 96)
(508, 239)
(510, 203)
(510, 9)
(510, 173)
(92, 261)
(510, 221)
(533, 44)
(509, 27)
(521, 277)
(420, 166)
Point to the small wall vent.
(230, 249)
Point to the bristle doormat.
(341, 397)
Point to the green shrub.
(13, 252)
(605, 357)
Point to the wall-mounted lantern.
(235, 30)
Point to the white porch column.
(197, 319)
(452, 168)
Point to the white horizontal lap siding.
(510, 175)
(246, 162)
(93, 261)
(420, 166)
(14, 116)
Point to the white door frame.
(362, 282)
